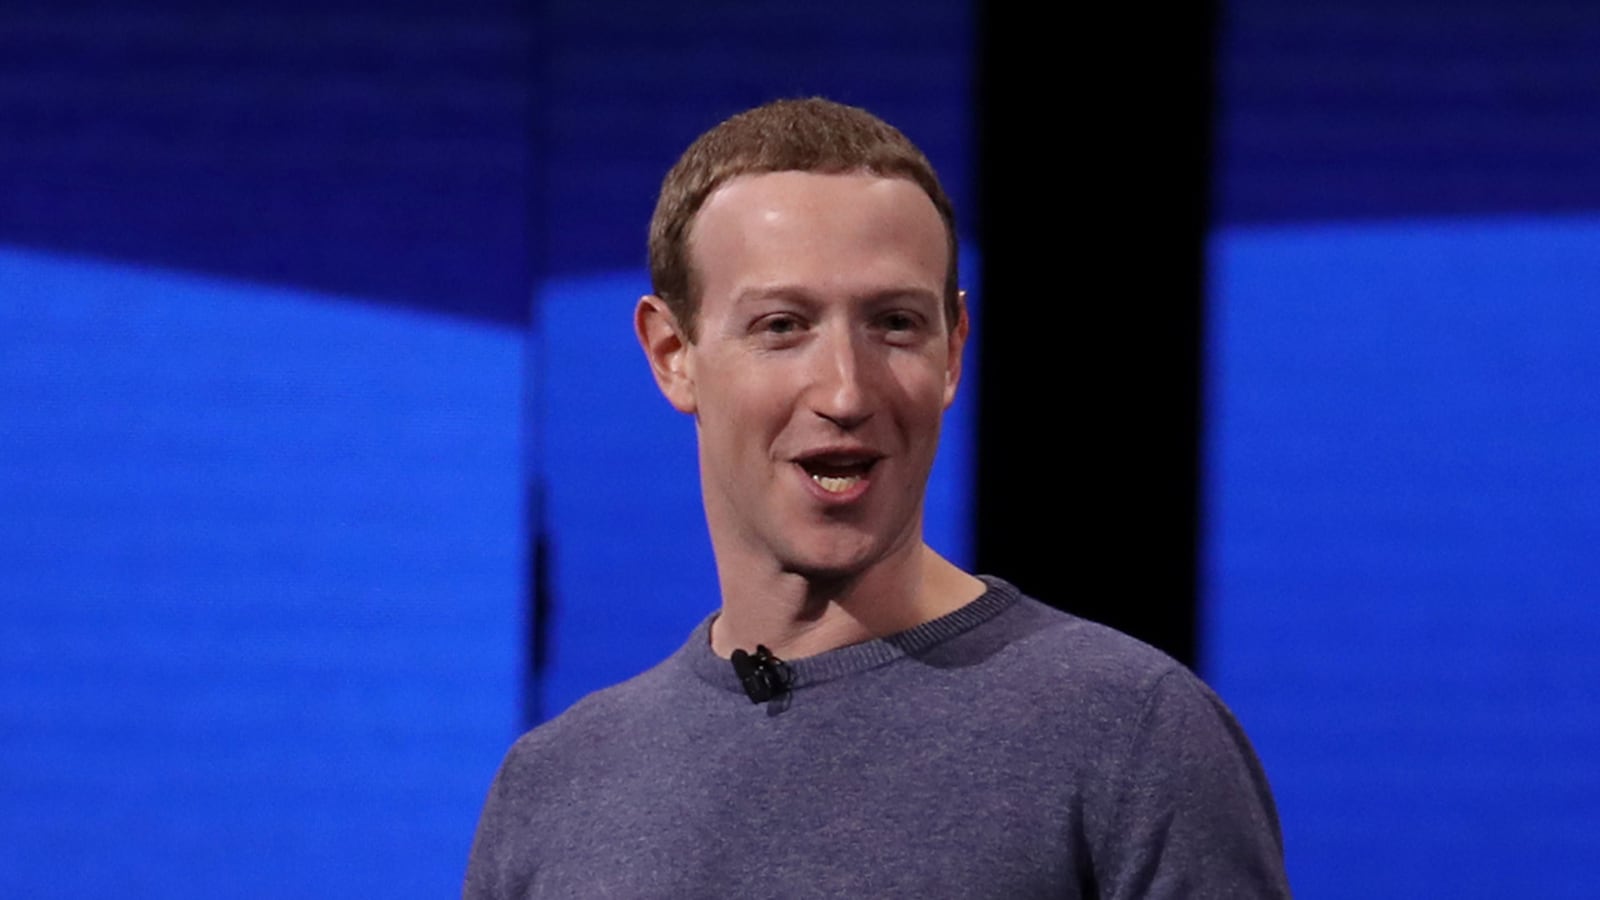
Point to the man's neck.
(796, 616)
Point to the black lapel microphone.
(763, 675)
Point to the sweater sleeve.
(494, 870)
(1194, 817)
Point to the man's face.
(821, 370)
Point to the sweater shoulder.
(1071, 653)
(590, 725)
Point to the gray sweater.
(1005, 750)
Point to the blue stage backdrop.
(1404, 420)
(264, 287)
(314, 323)
(263, 564)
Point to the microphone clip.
(763, 675)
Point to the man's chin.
(823, 571)
(837, 568)
(840, 567)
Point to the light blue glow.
(262, 586)
(1401, 565)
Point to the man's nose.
(843, 390)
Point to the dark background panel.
(630, 84)
(364, 150)
(1363, 109)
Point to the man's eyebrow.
(770, 292)
(874, 298)
(888, 296)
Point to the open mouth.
(837, 474)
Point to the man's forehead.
(859, 175)
(793, 230)
(768, 199)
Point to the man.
(917, 731)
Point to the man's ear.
(958, 340)
(668, 350)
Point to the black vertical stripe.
(1093, 147)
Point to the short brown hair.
(812, 135)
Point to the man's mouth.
(837, 475)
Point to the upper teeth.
(836, 484)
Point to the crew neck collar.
(869, 654)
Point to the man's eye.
(780, 325)
(902, 325)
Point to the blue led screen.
(314, 326)
(1405, 506)
(1403, 420)
(262, 550)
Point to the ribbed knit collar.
(810, 670)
